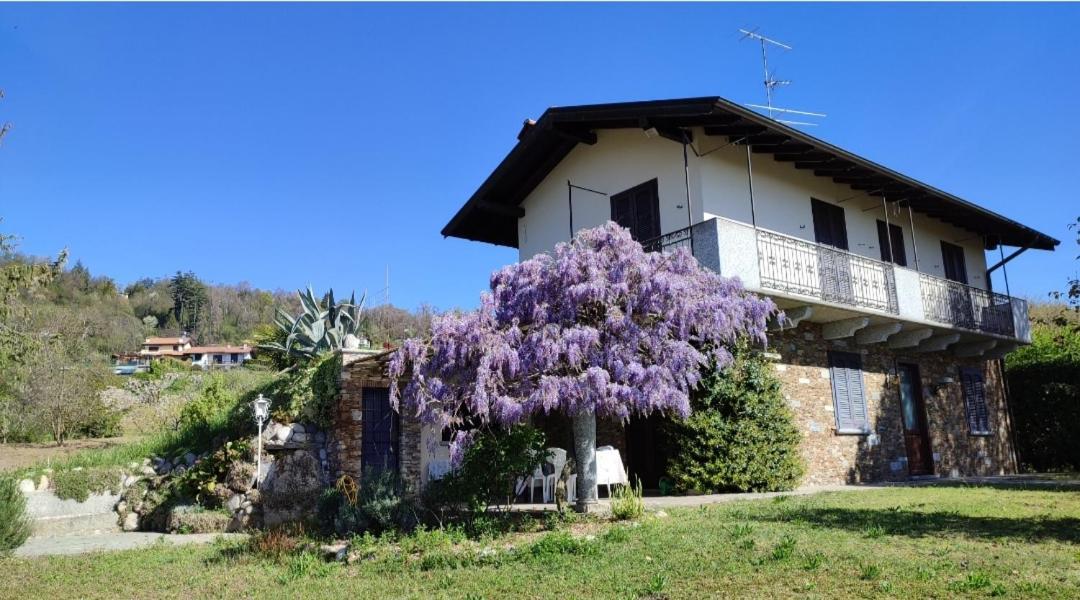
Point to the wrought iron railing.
(966, 307)
(680, 238)
(789, 264)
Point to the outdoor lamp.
(261, 406)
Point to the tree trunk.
(584, 426)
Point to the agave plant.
(318, 328)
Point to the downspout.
(686, 181)
(570, 203)
(914, 245)
(750, 178)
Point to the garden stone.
(146, 461)
(179, 470)
(233, 504)
(249, 509)
(121, 507)
(164, 467)
(131, 522)
(195, 519)
(148, 471)
(298, 428)
(43, 483)
(238, 522)
(292, 490)
(130, 480)
(335, 552)
(241, 476)
(26, 486)
(271, 430)
(299, 438)
(253, 496)
(283, 433)
(322, 453)
(320, 437)
(189, 458)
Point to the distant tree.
(189, 300)
(1070, 297)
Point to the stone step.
(52, 516)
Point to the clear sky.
(292, 144)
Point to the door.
(961, 311)
(834, 268)
(379, 444)
(646, 450)
(891, 242)
(916, 436)
(638, 209)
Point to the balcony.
(798, 272)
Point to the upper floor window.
(891, 242)
(153, 348)
(638, 209)
(829, 225)
(952, 259)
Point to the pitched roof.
(217, 349)
(491, 214)
(166, 340)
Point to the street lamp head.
(262, 408)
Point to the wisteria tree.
(598, 328)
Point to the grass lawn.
(931, 542)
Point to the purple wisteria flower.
(598, 325)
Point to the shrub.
(626, 502)
(14, 524)
(375, 506)
(489, 470)
(77, 484)
(1044, 398)
(560, 543)
(741, 436)
(213, 402)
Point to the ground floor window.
(975, 401)
(849, 398)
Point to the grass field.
(931, 542)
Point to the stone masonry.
(830, 457)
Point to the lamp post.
(262, 412)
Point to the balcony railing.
(966, 307)
(680, 238)
(788, 264)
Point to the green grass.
(976, 542)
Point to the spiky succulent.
(319, 327)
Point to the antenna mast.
(6, 126)
(771, 82)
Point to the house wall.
(832, 458)
(719, 187)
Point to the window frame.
(834, 357)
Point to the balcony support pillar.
(938, 343)
(972, 349)
(876, 334)
(844, 328)
(792, 318)
(909, 338)
(1000, 350)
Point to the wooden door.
(638, 209)
(834, 268)
(913, 417)
(379, 444)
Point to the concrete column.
(584, 426)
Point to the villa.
(889, 354)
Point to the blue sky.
(292, 144)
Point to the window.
(848, 397)
(638, 209)
(895, 235)
(975, 401)
(153, 348)
(829, 225)
(217, 359)
(952, 259)
(234, 357)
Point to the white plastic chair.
(557, 458)
(531, 481)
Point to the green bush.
(1044, 397)
(627, 503)
(213, 402)
(489, 470)
(14, 524)
(377, 507)
(741, 436)
(77, 484)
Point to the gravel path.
(80, 544)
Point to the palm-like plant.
(318, 328)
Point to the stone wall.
(831, 457)
(361, 370)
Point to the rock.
(334, 552)
(164, 467)
(299, 438)
(350, 342)
(238, 522)
(661, 514)
(234, 503)
(298, 428)
(283, 433)
(43, 483)
(130, 480)
(189, 458)
(195, 519)
(131, 522)
(241, 476)
(134, 465)
(26, 486)
(320, 437)
(146, 461)
(253, 496)
(121, 507)
(271, 430)
(292, 489)
(148, 471)
(322, 453)
(249, 509)
(179, 470)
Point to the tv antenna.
(6, 127)
(771, 82)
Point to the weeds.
(869, 572)
(784, 549)
(811, 562)
(627, 503)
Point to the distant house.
(211, 357)
(157, 347)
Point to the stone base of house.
(881, 455)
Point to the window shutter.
(848, 394)
(974, 391)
